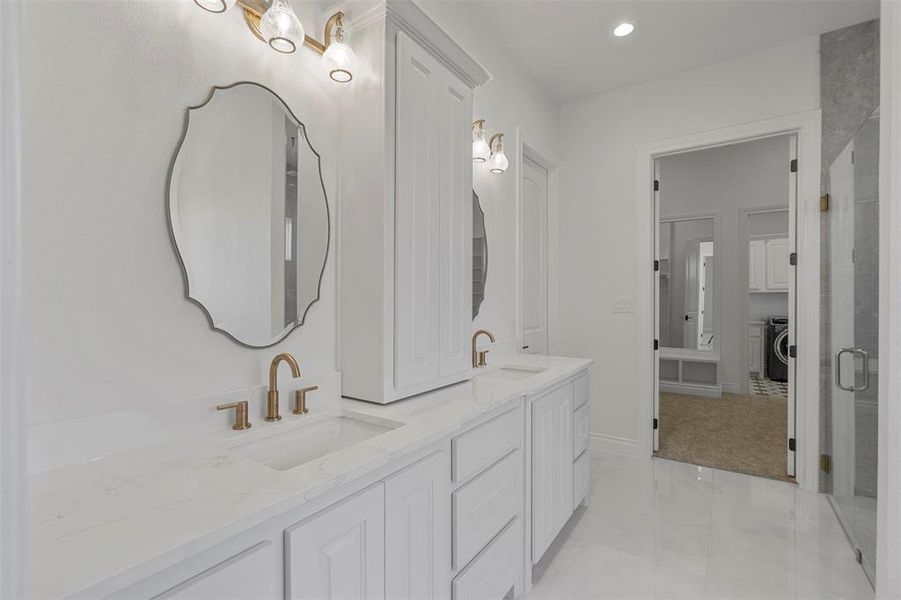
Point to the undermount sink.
(513, 373)
(328, 434)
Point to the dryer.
(777, 348)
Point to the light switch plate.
(623, 304)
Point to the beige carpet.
(745, 434)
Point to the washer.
(777, 348)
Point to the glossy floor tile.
(663, 529)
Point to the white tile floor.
(662, 529)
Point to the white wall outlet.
(623, 304)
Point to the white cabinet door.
(340, 552)
(757, 266)
(754, 365)
(251, 575)
(417, 530)
(455, 223)
(552, 466)
(777, 267)
(416, 262)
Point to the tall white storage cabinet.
(406, 207)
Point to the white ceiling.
(569, 47)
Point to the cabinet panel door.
(251, 575)
(340, 552)
(455, 224)
(756, 266)
(416, 231)
(552, 467)
(754, 355)
(777, 267)
(417, 530)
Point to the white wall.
(600, 138)
(511, 99)
(106, 87)
(725, 181)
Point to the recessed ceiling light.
(624, 29)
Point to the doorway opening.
(725, 310)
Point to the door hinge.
(656, 265)
(656, 344)
(793, 351)
(655, 423)
(656, 185)
(793, 259)
(858, 556)
(793, 165)
(791, 444)
(824, 203)
(825, 463)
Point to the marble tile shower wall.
(849, 92)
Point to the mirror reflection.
(687, 287)
(249, 214)
(479, 255)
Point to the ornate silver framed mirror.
(248, 214)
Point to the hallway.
(662, 529)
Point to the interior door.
(659, 262)
(853, 254)
(534, 258)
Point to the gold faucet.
(272, 406)
(478, 358)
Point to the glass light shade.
(281, 28)
(480, 148)
(340, 61)
(498, 162)
(215, 6)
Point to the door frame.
(13, 430)
(806, 127)
(744, 266)
(527, 145)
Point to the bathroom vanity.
(454, 493)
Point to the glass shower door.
(852, 331)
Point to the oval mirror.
(479, 255)
(248, 214)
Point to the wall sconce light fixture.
(480, 148)
(497, 162)
(276, 23)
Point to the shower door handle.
(866, 369)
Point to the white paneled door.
(417, 531)
(340, 552)
(533, 237)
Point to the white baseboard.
(691, 390)
(731, 388)
(611, 444)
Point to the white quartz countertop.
(118, 519)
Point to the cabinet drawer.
(581, 426)
(484, 506)
(494, 572)
(582, 390)
(581, 479)
(481, 447)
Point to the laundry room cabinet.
(768, 266)
(406, 208)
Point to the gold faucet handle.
(241, 421)
(482, 358)
(300, 399)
